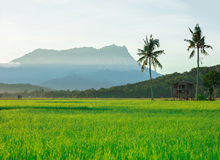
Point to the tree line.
(137, 90)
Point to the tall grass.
(109, 129)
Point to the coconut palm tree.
(198, 43)
(149, 57)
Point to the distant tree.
(149, 57)
(25, 92)
(210, 81)
(41, 90)
(197, 42)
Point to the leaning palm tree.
(149, 56)
(197, 42)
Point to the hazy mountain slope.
(121, 77)
(100, 79)
(12, 88)
(75, 82)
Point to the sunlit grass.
(109, 129)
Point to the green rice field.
(109, 129)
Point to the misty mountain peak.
(108, 55)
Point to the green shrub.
(201, 97)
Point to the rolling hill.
(13, 88)
(161, 85)
(142, 89)
(96, 80)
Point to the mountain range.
(76, 68)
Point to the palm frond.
(146, 41)
(153, 63)
(197, 32)
(156, 63)
(187, 40)
(146, 61)
(202, 39)
(143, 66)
(191, 44)
(141, 50)
(191, 31)
(203, 51)
(189, 47)
(141, 54)
(146, 48)
(156, 42)
(192, 54)
(207, 46)
(158, 52)
(141, 59)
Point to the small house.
(183, 90)
(19, 96)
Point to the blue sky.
(26, 25)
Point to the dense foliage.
(210, 81)
(137, 90)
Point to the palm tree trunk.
(197, 80)
(152, 92)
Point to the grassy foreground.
(109, 129)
